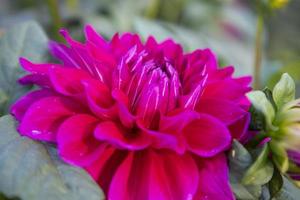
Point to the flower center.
(153, 90)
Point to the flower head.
(282, 128)
(146, 120)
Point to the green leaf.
(31, 170)
(276, 183)
(284, 90)
(280, 156)
(262, 104)
(257, 119)
(269, 95)
(27, 40)
(3, 197)
(239, 160)
(289, 191)
(261, 171)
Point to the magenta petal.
(38, 79)
(206, 136)
(76, 144)
(220, 89)
(226, 111)
(294, 156)
(101, 55)
(239, 129)
(223, 73)
(20, 107)
(92, 36)
(36, 68)
(126, 117)
(43, 117)
(67, 81)
(128, 139)
(99, 99)
(103, 169)
(152, 175)
(214, 179)
(65, 54)
(245, 80)
(160, 139)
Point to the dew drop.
(36, 132)
(233, 153)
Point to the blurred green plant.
(281, 113)
(27, 40)
(264, 9)
(57, 22)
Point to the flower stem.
(258, 50)
(56, 18)
(152, 9)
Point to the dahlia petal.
(177, 120)
(154, 175)
(148, 105)
(214, 179)
(211, 59)
(245, 103)
(65, 33)
(76, 144)
(92, 36)
(121, 75)
(190, 101)
(126, 117)
(63, 53)
(206, 136)
(205, 55)
(223, 73)
(79, 50)
(37, 79)
(226, 111)
(160, 139)
(245, 80)
(67, 81)
(36, 68)
(122, 44)
(41, 121)
(103, 169)
(239, 129)
(110, 132)
(174, 91)
(294, 156)
(151, 43)
(172, 51)
(19, 108)
(101, 55)
(99, 99)
(220, 89)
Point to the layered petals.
(145, 120)
(44, 116)
(68, 85)
(226, 111)
(21, 106)
(117, 135)
(164, 175)
(77, 144)
(206, 136)
(214, 183)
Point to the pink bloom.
(146, 120)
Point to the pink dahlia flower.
(146, 120)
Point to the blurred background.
(228, 27)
